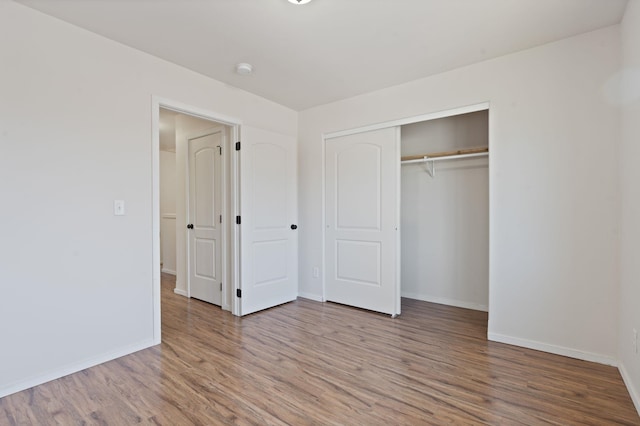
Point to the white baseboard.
(169, 271)
(553, 349)
(635, 395)
(311, 296)
(72, 368)
(446, 301)
(180, 291)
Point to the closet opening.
(444, 211)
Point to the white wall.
(445, 218)
(553, 186)
(630, 197)
(75, 134)
(168, 211)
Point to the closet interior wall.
(445, 218)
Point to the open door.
(205, 215)
(268, 220)
(362, 220)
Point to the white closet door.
(269, 239)
(362, 219)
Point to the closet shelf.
(446, 155)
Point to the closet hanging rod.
(426, 158)
(479, 149)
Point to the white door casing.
(268, 205)
(205, 213)
(362, 220)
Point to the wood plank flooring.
(308, 363)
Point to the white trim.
(397, 290)
(323, 261)
(73, 368)
(410, 120)
(157, 103)
(446, 301)
(311, 296)
(195, 111)
(633, 392)
(155, 220)
(553, 349)
(180, 291)
(490, 203)
(168, 215)
(187, 244)
(168, 271)
(235, 230)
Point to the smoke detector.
(299, 1)
(243, 68)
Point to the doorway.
(171, 208)
(259, 211)
(193, 151)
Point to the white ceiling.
(328, 50)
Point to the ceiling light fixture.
(243, 68)
(299, 1)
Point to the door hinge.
(220, 286)
(238, 293)
(238, 220)
(238, 146)
(220, 218)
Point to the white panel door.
(362, 219)
(269, 239)
(205, 212)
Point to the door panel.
(358, 261)
(361, 238)
(269, 186)
(269, 247)
(362, 211)
(204, 180)
(205, 208)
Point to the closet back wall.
(445, 219)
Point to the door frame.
(393, 123)
(234, 124)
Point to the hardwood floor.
(326, 364)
